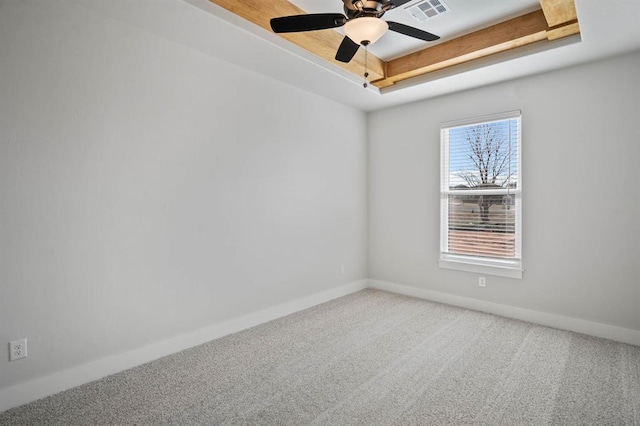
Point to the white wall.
(148, 190)
(581, 199)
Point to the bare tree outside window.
(489, 151)
(489, 163)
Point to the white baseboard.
(619, 334)
(26, 392)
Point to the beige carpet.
(371, 358)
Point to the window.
(480, 195)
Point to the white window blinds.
(481, 191)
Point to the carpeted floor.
(370, 358)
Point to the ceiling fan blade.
(411, 31)
(347, 50)
(310, 22)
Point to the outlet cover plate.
(17, 349)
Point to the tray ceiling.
(471, 31)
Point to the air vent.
(427, 9)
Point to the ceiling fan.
(362, 25)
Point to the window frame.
(505, 267)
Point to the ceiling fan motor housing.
(360, 8)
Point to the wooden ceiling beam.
(520, 31)
(323, 44)
(559, 12)
(531, 28)
(562, 31)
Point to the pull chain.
(366, 74)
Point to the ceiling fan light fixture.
(365, 30)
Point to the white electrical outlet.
(482, 282)
(17, 349)
(341, 269)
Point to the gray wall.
(148, 190)
(581, 169)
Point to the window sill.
(510, 270)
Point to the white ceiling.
(608, 28)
